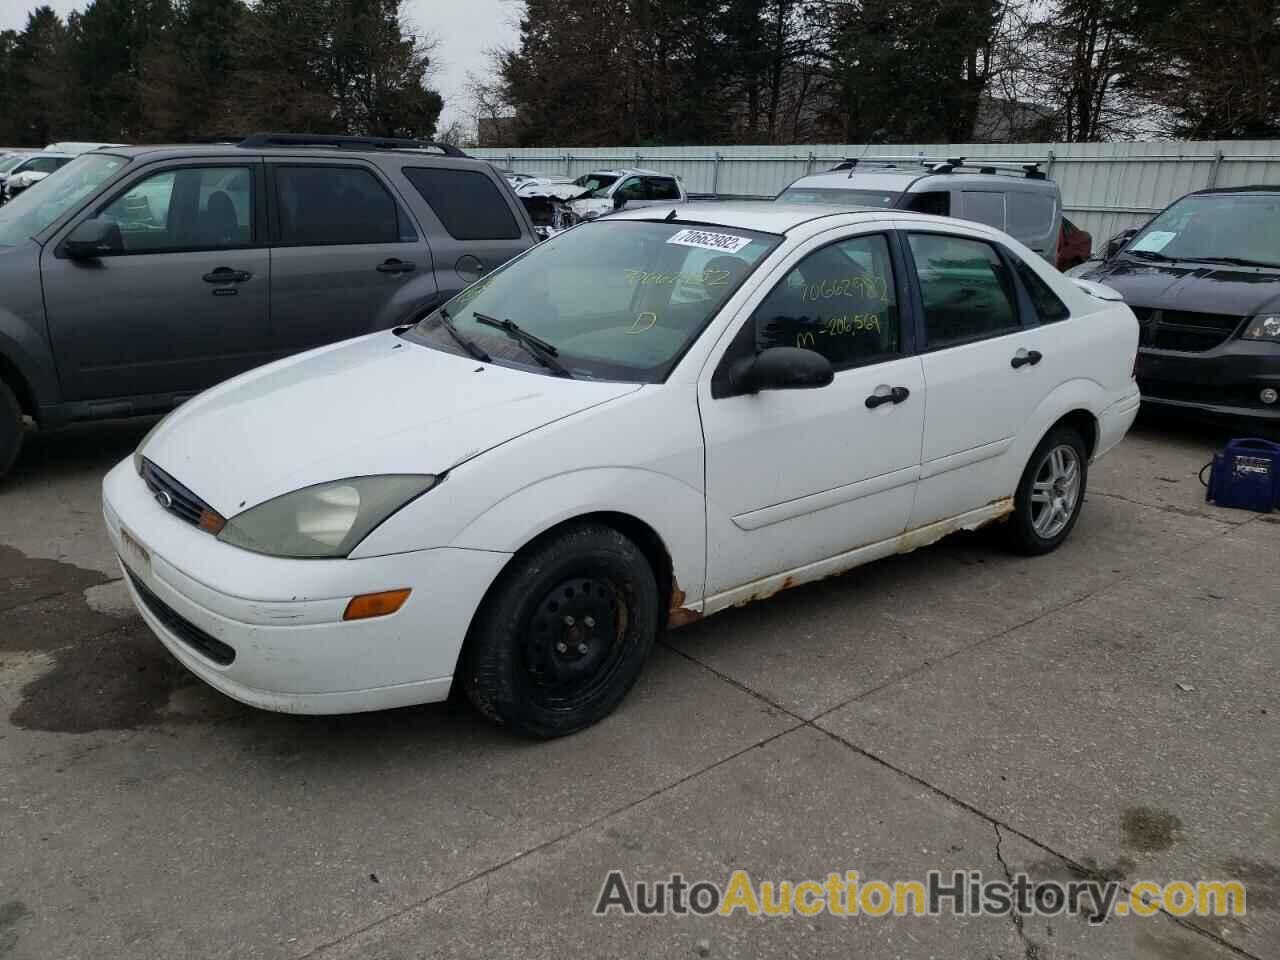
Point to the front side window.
(334, 205)
(190, 208)
(34, 210)
(966, 288)
(618, 299)
(1222, 227)
(631, 189)
(840, 196)
(466, 201)
(839, 301)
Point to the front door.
(795, 477)
(182, 305)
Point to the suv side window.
(466, 201)
(190, 208)
(662, 188)
(1049, 309)
(1030, 213)
(632, 189)
(984, 206)
(936, 202)
(967, 291)
(840, 301)
(321, 205)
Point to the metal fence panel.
(1106, 187)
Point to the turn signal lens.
(211, 522)
(375, 604)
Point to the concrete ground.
(1111, 709)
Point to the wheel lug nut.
(582, 648)
(568, 621)
(562, 647)
(589, 621)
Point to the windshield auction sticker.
(722, 242)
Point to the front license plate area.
(135, 554)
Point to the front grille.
(182, 628)
(177, 499)
(1184, 330)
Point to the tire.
(563, 634)
(1059, 468)
(11, 428)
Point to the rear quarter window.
(1030, 213)
(467, 202)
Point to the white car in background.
(609, 190)
(638, 423)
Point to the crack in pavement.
(1031, 949)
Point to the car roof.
(627, 171)
(1253, 188)
(769, 216)
(178, 151)
(919, 179)
(882, 179)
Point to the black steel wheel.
(563, 634)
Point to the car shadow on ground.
(71, 452)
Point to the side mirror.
(1116, 243)
(619, 201)
(782, 368)
(92, 239)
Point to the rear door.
(984, 368)
(183, 304)
(347, 259)
(473, 223)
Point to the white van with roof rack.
(1016, 198)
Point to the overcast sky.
(465, 29)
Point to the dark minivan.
(1203, 278)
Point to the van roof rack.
(347, 143)
(1030, 171)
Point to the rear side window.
(466, 201)
(334, 205)
(1030, 213)
(663, 188)
(1049, 309)
(985, 207)
(965, 286)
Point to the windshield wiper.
(473, 348)
(1150, 255)
(544, 352)
(1236, 261)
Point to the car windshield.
(33, 210)
(840, 197)
(617, 299)
(596, 181)
(1240, 226)
(9, 162)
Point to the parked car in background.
(1018, 199)
(1204, 279)
(607, 190)
(1075, 245)
(32, 168)
(643, 421)
(133, 278)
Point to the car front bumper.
(1225, 381)
(281, 619)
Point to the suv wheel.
(561, 637)
(11, 428)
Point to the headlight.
(326, 520)
(137, 452)
(1265, 327)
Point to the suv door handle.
(227, 275)
(392, 265)
(1024, 357)
(896, 395)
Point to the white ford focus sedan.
(647, 419)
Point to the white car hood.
(375, 405)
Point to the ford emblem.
(163, 498)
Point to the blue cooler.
(1246, 475)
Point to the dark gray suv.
(133, 278)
